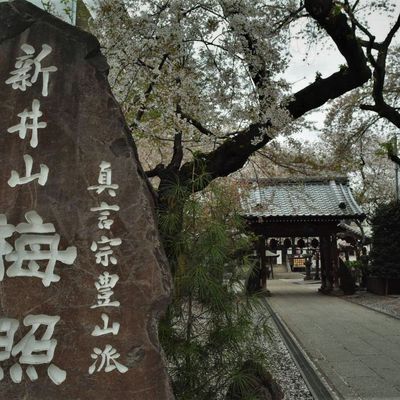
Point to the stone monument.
(83, 277)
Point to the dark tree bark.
(395, 159)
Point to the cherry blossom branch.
(235, 151)
(197, 124)
(142, 109)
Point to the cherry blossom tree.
(200, 83)
(203, 79)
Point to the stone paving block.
(391, 375)
(353, 368)
(336, 381)
(357, 349)
(368, 388)
(315, 355)
(360, 347)
(336, 354)
(324, 341)
(395, 339)
(380, 343)
(378, 363)
(393, 353)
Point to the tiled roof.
(311, 197)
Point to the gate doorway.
(312, 210)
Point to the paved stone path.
(355, 348)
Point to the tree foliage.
(385, 252)
(352, 144)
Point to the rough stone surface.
(85, 126)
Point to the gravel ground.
(386, 304)
(284, 369)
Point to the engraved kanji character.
(104, 221)
(6, 231)
(108, 361)
(104, 180)
(29, 247)
(40, 176)
(104, 286)
(104, 254)
(36, 351)
(23, 76)
(104, 208)
(24, 126)
(8, 327)
(114, 329)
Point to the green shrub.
(353, 265)
(212, 326)
(385, 253)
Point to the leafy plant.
(212, 327)
(353, 265)
(385, 254)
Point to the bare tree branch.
(197, 124)
(369, 44)
(157, 171)
(142, 109)
(395, 159)
(381, 107)
(289, 18)
(342, 81)
(391, 33)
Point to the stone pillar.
(317, 265)
(308, 264)
(326, 264)
(284, 254)
(335, 265)
(263, 262)
(293, 246)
